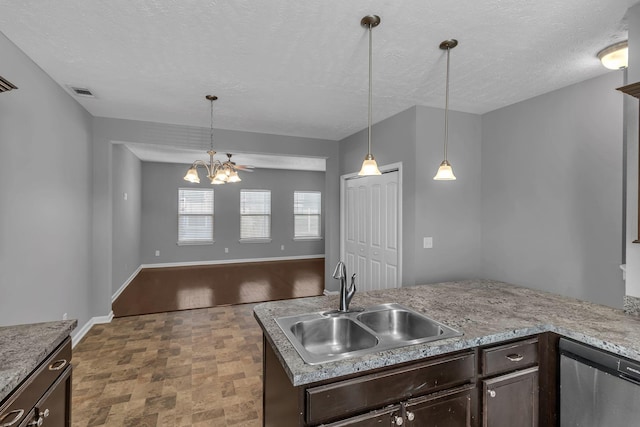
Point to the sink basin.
(329, 336)
(402, 325)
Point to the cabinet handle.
(410, 416)
(41, 416)
(398, 420)
(492, 393)
(58, 364)
(514, 357)
(18, 414)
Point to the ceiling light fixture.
(369, 165)
(445, 172)
(217, 171)
(615, 56)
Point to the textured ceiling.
(300, 67)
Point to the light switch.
(157, 253)
(427, 242)
(226, 250)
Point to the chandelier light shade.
(217, 171)
(369, 165)
(615, 56)
(445, 172)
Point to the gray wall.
(45, 189)
(110, 131)
(552, 191)
(631, 118)
(447, 211)
(160, 183)
(127, 179)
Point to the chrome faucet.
(340, 273)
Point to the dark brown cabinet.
(453, 408)
(44, 397)
(511, 400)
(510, 386)
(419, 393)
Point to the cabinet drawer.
(353, 396)
(19, 404)
(509, 357)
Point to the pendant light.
(369, 165)
(445, 172)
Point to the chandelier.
(217, 172)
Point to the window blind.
(307, 208)
(195, 215)
(255, 214)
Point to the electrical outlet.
(65, 316)
(282, 247)
(226, 250)
(125, 196)
(157, 253)
(427, 242)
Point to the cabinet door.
(453, 408)
(383, 418)
(54, 408)
(511, 400)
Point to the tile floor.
(186, 368)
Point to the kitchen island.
(487, 312)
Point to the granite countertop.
(485, 311)
(24, 347)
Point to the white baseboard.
(326, 292)
(228, 261)
(125, 284)
(77, 337)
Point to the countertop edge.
(18, 371)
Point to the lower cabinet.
(510, 384)
(44, 397)
(453, 408)
(504, 385)
(511, 400)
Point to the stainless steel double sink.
(332, 335)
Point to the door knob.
(492, 393)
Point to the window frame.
(208, 241)
(318, 215)
(255, 239)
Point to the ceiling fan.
(233, 166)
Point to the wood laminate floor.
(158, 290)
(184, 368)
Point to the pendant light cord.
(446, 109)
(370, 89)
(211, 127)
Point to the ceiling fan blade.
(246, 168)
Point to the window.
(306, 213)
(255, 214)
(195, 215)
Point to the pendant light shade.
(445, 172)
(369, 165)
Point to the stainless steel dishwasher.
(597, 388)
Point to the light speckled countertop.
(485, 311)
(24, 347)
